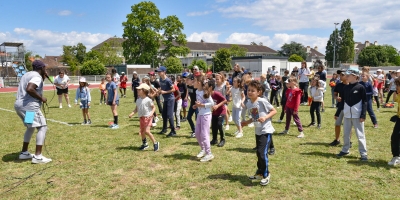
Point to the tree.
(295, 58)
(200, 63)
(397, 61)
(222, 60)
(174, 65)
(80, 52)
(333, 41)
(391, 53)
(28, 62)
(253, 43)
(174, 41)
(93, 67)
(109, 54)
(70, 58)
(372, 56)
(94, 55)
(141, 31)
(237, 51)
(346, 48)
(293, 48)
(260, 44)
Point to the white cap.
(122, 72)
(195, 67)
(379, 70)
(398, 70)
(134, 72)
(82, 79)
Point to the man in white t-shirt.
(274, 71)
(304, 72)
(61, 82)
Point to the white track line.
(52, 120)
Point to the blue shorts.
(84, 105)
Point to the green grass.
(94, 162)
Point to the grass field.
(94, 162)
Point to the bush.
(93, 67)
(295, 58)
(173, 65)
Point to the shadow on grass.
(181, 156)
(315, 144)
(13, 157)
(101, 126)
(243, 150)
(244, 180)
(133, 148)
(371, 163)
(324, 154)
(191, 143)
(75, 123)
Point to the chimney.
(316, 48)
(366, 43)
(55, 59)
(308, 49)
(375, 43)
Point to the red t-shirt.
(123, 80)
(218, 98)
(293, 97)
(177, 93)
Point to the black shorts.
(62, 91)
(110, 103)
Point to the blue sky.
(44, 26)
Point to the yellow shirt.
(102, 86)
(312, 73)
(398, 105)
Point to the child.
(103, 91)
(166, 90)
(238, 103)
(263, 81)
(293, 97)
(392, 87)
(218, 114)
(332, 83)
(177, 105)
(395, 138)
(354, 108)
(338, 93)
(112, 99)
(184, 93)
(222, 89)
(316, 94)
(203, 104)
(192, 94)
(245, 81)
(122, 86)
(151, 94)
(376, 90)
(145, 109)
(83, 93)
(275, 86)
(369, 91)
(283, 99)
(381, 81)
(262, 112)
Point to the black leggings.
(389, 94)
(274, 95)
(395, 139)
(377, 101)
(216, 125)
(283, 110)
(315, 107)
(304, 88)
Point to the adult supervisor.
(27, 105)
(62, 82)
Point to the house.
(358, 47)
(313, 54)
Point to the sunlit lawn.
(94, 162)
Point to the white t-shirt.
(393, 87)
(36, 81)
(63, 81)
(302, 74)
(144, 107)
(237, 97)
(380, 78)
(274, 72)
(116, 78)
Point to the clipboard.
(29, 117)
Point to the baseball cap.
(82, 79)
(353, 71)
(195, 67)
(398, 70)
(190, 76)
(122, 72)
(340, 71)
(161, 69)
(379, 70)
(185, 74)
(143, 86)
(38, 64)
(151, 73)
(134, 72)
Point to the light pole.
(334, 47)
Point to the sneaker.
(256, 177)
(201, 154)
(265, 181)
(193, 135)
(294, 123)
(144, 146)
(221, 143)
(153, 124)
(227, 127)
(284, 132)
(340, 154)
(156, 119)
(239, 135)
(162, 132)
(89, 122)
(156, 146)
(124, 96)
(377, 110)
(230, 119)
(323, 110)
(235, 134)
(177, 128)
(351, 144)
(335, 143)
(395, 161)
(301, 135)
(364, 158)
(251, 124)
(279, 121)
(183, 120)
(171, 134)
(311, 124)
(84, 123)
(207, 158)
(100, 103)
(69, 105)
(60, 106)
(25, 155)
(213, 142)
(271, 151)
(375, 125)
(114, 126)
(319, 126)
(40, 159)
(305, 103)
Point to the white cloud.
(278, 40)
(205, 36)
(50, 43)
(194, 14)
(64, 13)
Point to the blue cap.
(38, 64)
(161, 69)
(185, 74)
(353, 71)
